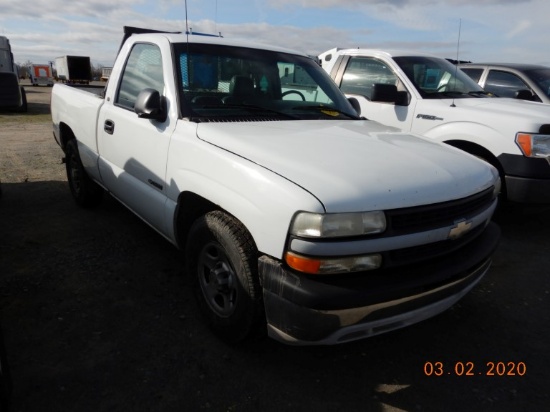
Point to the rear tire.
(222, 261)
(85, 191)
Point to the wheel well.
(477, 150)
(190, 207)
(482, 153)
(66, 134)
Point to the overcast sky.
(491, 30)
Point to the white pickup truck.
(429, 96)
(292, 212)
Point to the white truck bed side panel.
(79, 110)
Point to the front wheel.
(222, 261)
(85, 191)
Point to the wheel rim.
(217, 280)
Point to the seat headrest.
(241, 86)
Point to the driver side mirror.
(524, 94)
(388, 93)
(384, 93)
(151, 105)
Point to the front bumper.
(527, 190)
(527, 179)
(306, 310)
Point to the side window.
(474, 74)
(504, 84)
(362, 72)
(143, 70)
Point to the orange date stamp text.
(474, 369)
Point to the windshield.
(436, 78)
(220, 83)
(542, 78)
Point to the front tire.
(85, 191)
(223, 263)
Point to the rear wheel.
(85, 191)
(222, 261)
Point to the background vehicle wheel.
(85, 191)
(222, 261)
(24, 106)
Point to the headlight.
(317, 225)
(326, 266)
(534, 145)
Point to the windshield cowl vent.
(238, 119)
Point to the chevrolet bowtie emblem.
(460, 228)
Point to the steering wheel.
(442, 87)
(295, 92)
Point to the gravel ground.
(98, 315)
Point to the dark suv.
(522, 81)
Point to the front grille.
(422, 218)
(428, 251)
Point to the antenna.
(189, 30)
(457, 61)
(458, 42)
(186, 21)
(216, 18)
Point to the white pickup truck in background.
(292, 212)
(429, 96)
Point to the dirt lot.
(98, 316)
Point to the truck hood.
(354, 165)
(520, 113)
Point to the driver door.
(133, 151)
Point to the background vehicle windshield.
(219, 81)
(437, 78)
(542, 78)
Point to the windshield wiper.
(454, 93)
(248, 107)
(480, 93)
(256, 108)
(447, 93)
(325, 110)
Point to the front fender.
(262, 200)
(479, 134)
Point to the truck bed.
(83, 116)
(98, 90)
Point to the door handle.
(109, 126)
